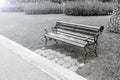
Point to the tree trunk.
(114, 24)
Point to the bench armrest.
(86, 39)
(46, 31)
(54, 29)
(99, 33)
(50, 30)
(96, 36)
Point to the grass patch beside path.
(28, 30)
(107, 65)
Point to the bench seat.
(67, 39)
(84, 36)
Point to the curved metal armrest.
(99, 33)
(96, 36)
(53, 29)
(46, 31)
(88, 38)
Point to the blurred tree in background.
(114, 24)
(57, 1)
(106, 0)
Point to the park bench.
(84, 36)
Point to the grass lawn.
(28, 30)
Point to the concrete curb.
(49, 67)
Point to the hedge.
(88, 8)
(43, 8)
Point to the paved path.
(13, 67)
(19, 63)
(63, 60)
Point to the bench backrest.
(67, 27)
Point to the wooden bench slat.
(73, 33)
(77, 37)
(68, 40)
(78, 26)
(77, 30)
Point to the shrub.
(43, 8)
(88, 8)
(13, 8)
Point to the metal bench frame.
(90, 47)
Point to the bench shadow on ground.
(70, 50)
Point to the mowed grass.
(28, 30)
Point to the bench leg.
(89, 50)
(56, 41)
(86, 52)
(92, 48)
(95, 47)
(46, 40)
(96, 53)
